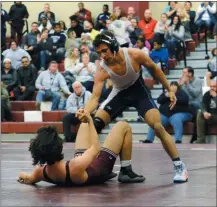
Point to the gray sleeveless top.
(126, 80)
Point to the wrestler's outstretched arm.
(31, 178)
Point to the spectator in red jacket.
(83, 14)
(147, 25)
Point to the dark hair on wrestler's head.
(106, 35)
(46, 147)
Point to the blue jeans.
(62, 104)
(43, 58)
(176, 121)
(55, 99)
(200, 23)
(171, 45)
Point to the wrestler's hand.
(173, 99)
(83, 116)
(22, 178)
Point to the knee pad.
(99, 124)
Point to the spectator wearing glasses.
(26, 77)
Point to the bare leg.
(103, 115)
(119, 141)
(152, 118)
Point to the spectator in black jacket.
(18, 13)
(8, 75)
(175, 117)
(101, 19)
(208, 114)
(30, 43)
(45, 48)
(192, 15)
(4, 19)
(59, 40)
(26, 77)
(49, 14)
(75, 26)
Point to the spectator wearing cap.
(26, 77)
(101, 18)
(83, 14)
(15, 54)
(49, 14)
(59, 40)
(44, 23)
(8, 75)
(75, 26)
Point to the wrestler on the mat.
(122, 66)
(91, 163)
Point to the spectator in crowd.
(26, 77)
(15, 54)
(215, 32)
(185, 20)
(134, 35)
(175, 117)
(170, 10)
(192, 15)
(174, 33)
(49, 83)
(86, 38)
(147, 25)
(71, 41)
(122, 28)
(83, 14)
(208, 114)
(141, 45)
(94, 57)
(59, 40)
(45, 48)
(88, 28)
(63, 26)
(160, 55)
(192, 86)
(78, 29)
(212, 67)
(4, 19)
(49, 14)
(5, 104)
(8, 75)
(206, 15)
(44, 23)
(161, 28)
(75, 101)
(84, 72)
(131, 14)
(117, 12)
(101, 18)
(17, 14)
(72, 59)
(30, 43)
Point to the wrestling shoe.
(127, 175)
(112, 175)
(181, 172)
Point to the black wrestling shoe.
(112, 175)
(146, 141)
(127, 175)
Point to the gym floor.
(148, 159)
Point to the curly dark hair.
(46, 147)
(106, 35)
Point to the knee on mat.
(99, 124)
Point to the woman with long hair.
(174, 33)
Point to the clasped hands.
(83, 115)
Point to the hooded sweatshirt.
(75, 102)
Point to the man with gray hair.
(49, 83)
(76, 100)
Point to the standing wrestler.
(91, 164)
(123, 67)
